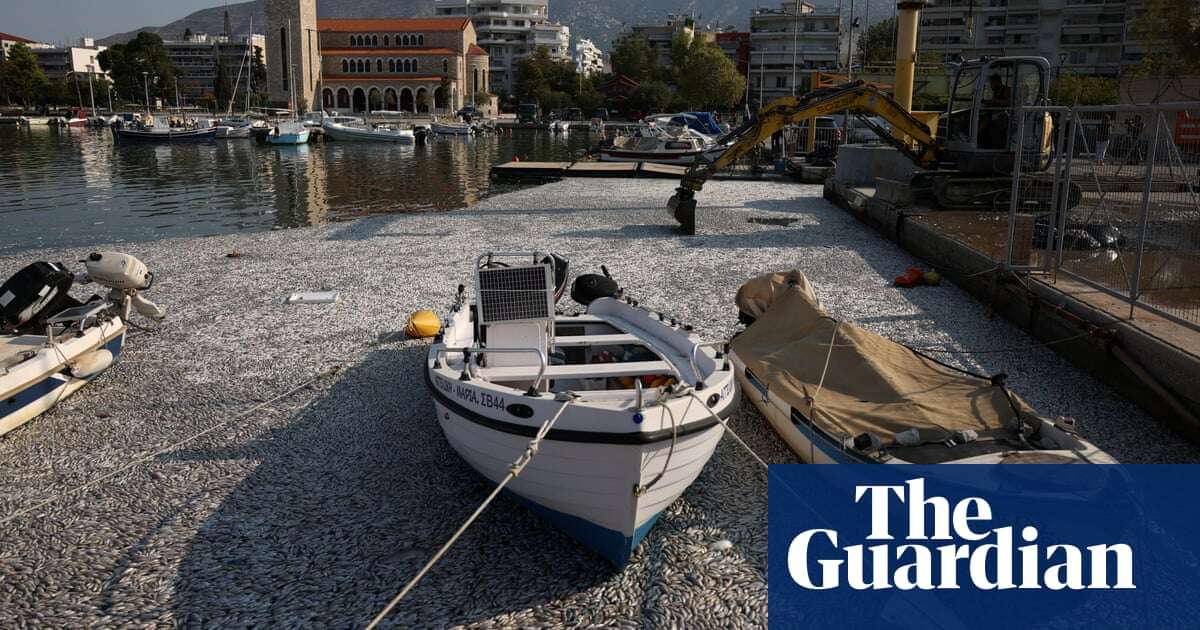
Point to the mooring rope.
(514, 469)
(692, 392)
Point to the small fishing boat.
(55, 344)
(20, 121)
(365, 133)
(288, 132)
(148, 129)
(630, 403)
(451, 128)
(836, 393)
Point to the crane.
(967, 162)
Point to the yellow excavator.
(966, 164)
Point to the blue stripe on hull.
(37, 390)
(611, 544)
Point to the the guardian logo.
(988, 557)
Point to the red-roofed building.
(8, 41)
(422, 64)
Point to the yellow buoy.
(933, 278)
(423, 323)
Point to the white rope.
(514, 469)
(724, 423)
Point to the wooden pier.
(556, 170)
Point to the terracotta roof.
(16, 38)
(476, 50)
(394, 24)
(367, 78)
(371, 52)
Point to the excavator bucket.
(682, 207)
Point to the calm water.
(74, 187)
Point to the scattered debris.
(720, 545)
(234, 254)
(780, 221)
(915, 276)
(313, 297)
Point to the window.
(374, 40)
(406, 66)
(780, 82)
(420, 40)
(391, 63)
(406, 40)
(385, 40)
(445, 66)
(345, 66)
(1078, 56)
(378, 65)
(414, 65)
(359, 64)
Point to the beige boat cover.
(872, 385)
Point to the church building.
(420, 65)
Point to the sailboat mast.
(249, 53)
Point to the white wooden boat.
(288, 132)
(837, 394)
(682, 147)
(643, 426)
(451, 128)
(364, 133)
(59, 344)
(226, 132)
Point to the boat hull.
(288, 138)
(582, 482)
(451, 130)
(31, 388)
(185, 135)
(343, 133)
(653, 157)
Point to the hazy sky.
(65, 20)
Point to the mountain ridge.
(598, 21)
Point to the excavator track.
(955, 190)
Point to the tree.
(1069, 89)
(634, 58)
(222, 86)
(187, 34)
(548, 81)
(878, 45)
(20, 75)
(144, 53)
(651, 96)
(1169, 34)
(708, 78)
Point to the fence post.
(1135, 284)
(1013, 201)
(1061, 227)
(1055, 206)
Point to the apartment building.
(588, 58)
(788, 43)
(61, 62)
(198, 59)
(1087, 37)
(509, 31)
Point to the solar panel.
(514, 294)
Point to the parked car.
(574, 113)
(857, 131)
(469, 111)
(829, 135)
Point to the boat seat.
(589, 370)
(596, 340)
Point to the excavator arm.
(855, 98)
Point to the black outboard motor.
(34, 294)
(592, 286)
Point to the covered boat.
(837, 393)
(629, 403)
(677, 146)
(53, 344)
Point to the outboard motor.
(592, 286)
(34, 294)
(561, 268)
(127, 277)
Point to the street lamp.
(146, 85)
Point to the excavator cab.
(979, 130)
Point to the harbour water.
(74, 187)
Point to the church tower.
(293, 62)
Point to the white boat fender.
(91, 363)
